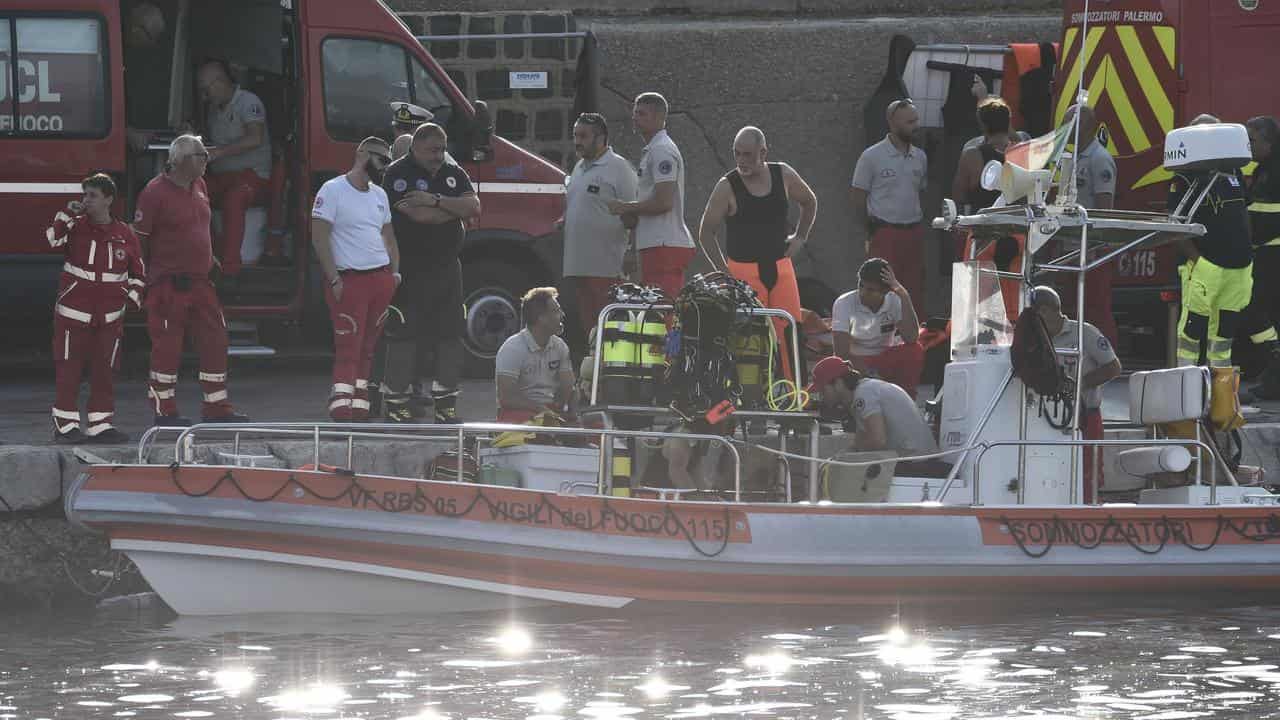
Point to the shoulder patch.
(319, 202)
(665, 167)
(451, 181)
(137, 216)
(1106, 175)
(420, 184)
(400, 185)
(1102, 343)
(859, 403)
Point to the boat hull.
(233, 540)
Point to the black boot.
(446, 404)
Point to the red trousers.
(75, 345)
(664, 267)
(1091, 429)
(593, 295)
(171, 314)
(899, 364)
(515, 417)
(785, 295)
(233, 193)
(904, 249)
(357, 322)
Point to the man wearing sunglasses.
(431, 200)
(357, 251)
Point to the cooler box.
(548, 467)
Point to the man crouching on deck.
(532, 370)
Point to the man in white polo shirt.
(664, 241)
(885, 193)
(595, 240)
(875, 327)
(356, 248)
(532, 370)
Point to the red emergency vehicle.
(1151, 66)
(79, 77)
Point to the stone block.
(513, 25)
(30, 477)
(493, 84)
(550, 125)
(445, 25)
(548, 48)
(512, 125)
(481, 49)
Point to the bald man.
(1100, 366)
(752, 201)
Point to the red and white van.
(77, 75)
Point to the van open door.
(61, 118)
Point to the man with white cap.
(405, 118)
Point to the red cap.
(827, 370)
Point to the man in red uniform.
(357, 251)
(102, 274)
(172, 221)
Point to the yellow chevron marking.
(1146, 76)
(1068, 95)
(1165, 36)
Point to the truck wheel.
(491, 294)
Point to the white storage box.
(1165, 396)
(549, 467)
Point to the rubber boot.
(446, 403)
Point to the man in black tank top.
(752, 201)
(994, 119)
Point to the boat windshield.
(978, 309)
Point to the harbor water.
(1029, 660)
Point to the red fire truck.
(1150, 66)
(78, 78)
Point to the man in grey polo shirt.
(239, 160)
(885, 192)
(532, 370)
(595, 240)
(665, 244)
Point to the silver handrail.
(349, 431)
(985, 446)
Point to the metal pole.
(1077, 428)
(351, 452)
(815, 434)
(461, 433)
(235, 446)
(317, 448)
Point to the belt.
(93, 276)
(877, 222)
(349, 271)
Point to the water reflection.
(1153, 665)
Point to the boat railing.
(1204, 447)
(350, 432)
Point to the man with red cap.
(884, 417)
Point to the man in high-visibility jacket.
(1217, 279)
(1264, 221)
